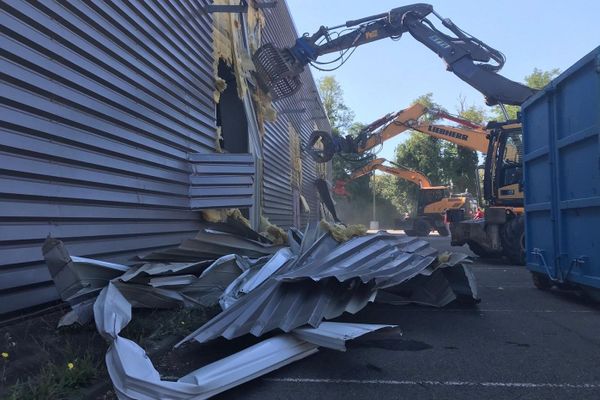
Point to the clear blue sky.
(386, 76)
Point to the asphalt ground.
(518, 343)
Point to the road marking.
(438, 383)
(507, 287)
(500, 310)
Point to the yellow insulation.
(295, 157)
(304, 204)
(321, 168)
(343, 233)
(222, 214)
(263, 107)
(220, 86)
(276, 234)
(229, 46)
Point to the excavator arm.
(473, 137)
(469, 58)
(401, 172)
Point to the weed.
(56, 381)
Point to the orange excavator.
(501, 233)
(322, 146)
(432, 201)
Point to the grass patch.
(56, 381)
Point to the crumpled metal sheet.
(208, 288)
(77, 278)
(385, 258)
(144, 272)
(134, 377)
(80, 313)
(204, 290)
(436, 286)
(112, 312)
(254, 277)
(463, 282)
(289, 288)
(334, 335)
(323, 283)
(212, 243)
(157, 285)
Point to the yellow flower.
(70, 365)
(4, 354)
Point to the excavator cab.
(428, 196)
(503, 183)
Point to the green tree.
(340, 115)
(461, 163)
(356, 208)
(422, 153)
(443, 162)
(538, 79)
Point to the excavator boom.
(404, 173)
(472, 136)
(473, 61)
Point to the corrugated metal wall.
(100, 104)
(277, 190)
(222, 180)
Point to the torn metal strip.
(77, 278)
(334, 335)
(134, 377)
(162, 269)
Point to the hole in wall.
(231, 115)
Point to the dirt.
(35, 343)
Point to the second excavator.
(432, 201)
(501, 233)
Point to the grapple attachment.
(320, 146)
(277, 71)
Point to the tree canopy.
(538, 79)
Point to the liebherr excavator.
(473, 136)
(501, 234)
(432, 201)
(278, 72)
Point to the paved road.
(519, 343)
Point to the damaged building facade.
(121, 121)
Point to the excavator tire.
(480, 251)
(541, 281)
(422, 227)
(513, 240)
(443, 231)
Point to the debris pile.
(261, 288)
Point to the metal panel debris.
(261, 288)
(334, 335)
(134, 376)
(342, 279)
(77, 278)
